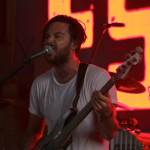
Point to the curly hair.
(77, 32)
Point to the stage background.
(21, 24)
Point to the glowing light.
(113, 66)
(64, 7)
(137, 25)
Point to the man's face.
(58, 37)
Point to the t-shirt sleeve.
(101, 80)
(35, 100)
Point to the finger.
(102, 97)
(99, 100)
(97, 105)
(95, 101)
(95, 96)
(107, 95)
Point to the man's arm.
(33, 132)
(106, 111)
(109, 125)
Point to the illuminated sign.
(137, 24)
(56, 7)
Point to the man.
(53, 92)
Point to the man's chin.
(56, 62)
(52, 61)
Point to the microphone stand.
(24, 63)
(104, 28)
(46, 50)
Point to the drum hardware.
(129, 85)
(130, 124)
(128, 136)
(123, 106)
(125, 140)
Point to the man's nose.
(49, 40)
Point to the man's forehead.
(58, 27)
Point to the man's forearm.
(108, 127)
(108, 124)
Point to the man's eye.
(58, 36)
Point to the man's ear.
(74, 45)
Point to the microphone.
(115, 24)
(47, 49)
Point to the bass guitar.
(58, 138)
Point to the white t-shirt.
(50, 99)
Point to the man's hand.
(102, 104)
(106, 111)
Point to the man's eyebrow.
(58, 33)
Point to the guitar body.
(47, 142)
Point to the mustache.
(54, 47)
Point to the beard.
(60, 57)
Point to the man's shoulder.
(96, 69)
(95, 72)
(44, 77)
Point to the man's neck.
(67, 71)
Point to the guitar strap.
(79, 83)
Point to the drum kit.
(128, 136)
(129, 85)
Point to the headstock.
(132, 59)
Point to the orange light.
(64, 7)
(137, 24)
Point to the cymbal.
(5, 103)
(123, 106)
(129, 85)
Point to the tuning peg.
(139, 49)
(124, 66)
(129, 63)
(127, 56)
(134, 60)
(118, 69)
(133, 52)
